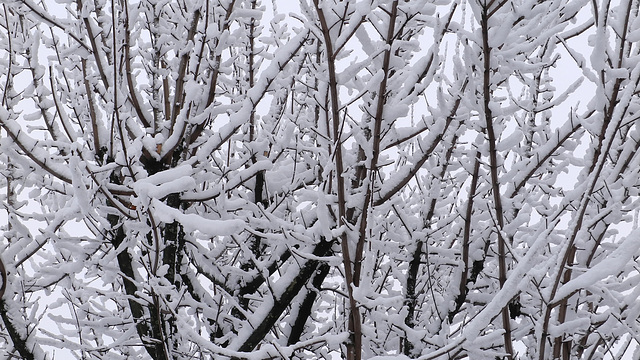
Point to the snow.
(157, 186)
(194, 222)
(178, 185)
(66, 204)
(518, 278)
(612, 265)
(510, 142)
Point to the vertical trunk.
(6, 313)
(146, 317)
(151, 337)
(258, 190)
(354, 346)
(465, 279)
(495, 179)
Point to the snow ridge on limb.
(255, 94)
(358, 179)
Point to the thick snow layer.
(194, 222)
(613, 264)
(170, 181)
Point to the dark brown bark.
(354, 347)
(493, 169)
(281, 303)
(19, 343)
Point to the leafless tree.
(340, 179)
